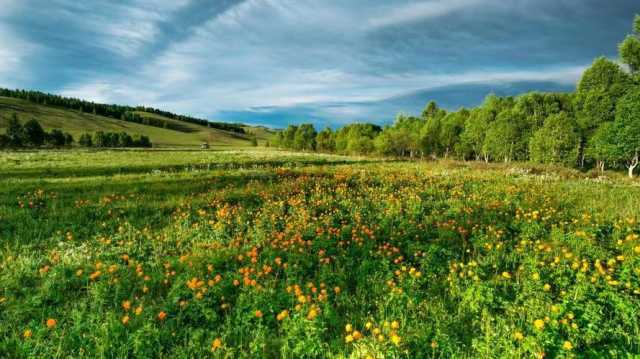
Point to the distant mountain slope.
(180, 133)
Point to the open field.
(77, 123)
(175, 253)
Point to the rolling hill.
(180, 133)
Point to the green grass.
(442, 259)
(77, 123)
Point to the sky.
(328, 62)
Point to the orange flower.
(282, 315)
(126, 305)
(216, 344)
(258, 314)
(162, 315)
(125, 320)
(51, 323)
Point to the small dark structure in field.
(204, 146)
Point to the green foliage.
(33, 133)
(630, 52)
(196, 254)
(326, 141)
(85, 140)
(602, 146)
(556, 142)
(506, 137)
(627, 126)
(598, 91)
(305, 138)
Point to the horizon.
(276, 62)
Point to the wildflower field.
(252, 254)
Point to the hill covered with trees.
(598, 125)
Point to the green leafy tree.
(602, 145)
(100, 139)
(627, 126)
(326, 141)
(431, 110)
(68, 139)
(451, 128)
(556, 142)
(472, 138)
(506, 137)
(15, 132)
(305, 138)
(254, 141)
(56, 138)
(85, 140)
(34, 135)
(629, 49)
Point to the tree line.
(598, 125)
(32, 135)
(125, 113)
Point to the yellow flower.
(567, 345)
(395, 339)
(125, 320)
(368, 325)
(216, 344)
(126, 305)
(348, 338)
(506, 275)
(538, 324)
(518, 336)
(27, 334)
(313, 313)
(348, 328)
(138, 310)
(395, 324)
(357, 335)
(546, 287)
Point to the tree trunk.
(633, 164)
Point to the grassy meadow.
(191, 254)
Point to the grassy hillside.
(76, 123)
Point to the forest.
(597, 126)
(125, 113)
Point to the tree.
(629, 49)
(627, 126)
(100, 139)
(85, 140)
(430, 137)
(556, 142)
(472, 138)
(506, 137)
(254, 141)
(305, 138)
(68, 139)
(124, 140)
(56, 138)
(34, 135)
(602, 145)
(451, 128)
(431, 110)
(326, 141)
(287, 136)
(15, 132)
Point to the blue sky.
(329, 62)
